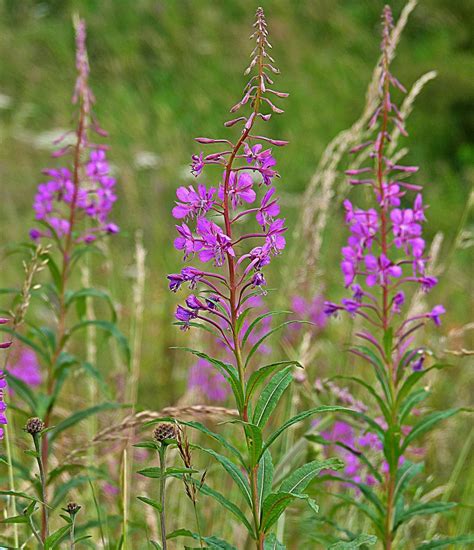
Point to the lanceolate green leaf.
(447, 542)
(259, 376)
(368, 494)
(226, 503)
(276, 503)
(423, 509)
(15, 519)
(213, 543)
(264, 477)
(359, 454)
(411, 401)
(151, 502)
(360, 540)
(297, 481)
(369, 512)
(271, 395)
(55, 538)
(414, 378)
(426, 424)
(379, 368)
(233, 470)
(253, 433)
(407, 471)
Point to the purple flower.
(428, 283)
(398, 301)
(175, 281)
(215, 243)
(274, 236)
(197, 164)
(256, 154)
(240, 189)
(405, 227)
(265, 168)
(185, 316)
(260, 256)
(186, 241)
(380, 269)
(435, 313)
(358, 293)
(191, 275)
(351, 306)
(193, 203)
(269, 208)
(418, 364)
(95, 198)
(330, 308)
(349, 265)
(212, 301)
(194, 303)
(390, 194)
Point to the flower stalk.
(245, 163)
(385, 254)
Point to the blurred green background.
(166, 71)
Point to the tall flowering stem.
(72, 208)
(224, 297)
(384, 255)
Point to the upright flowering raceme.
(86, 190)
(231, 230)
(210, 216)
(383, 260)
(73, 208)
(385, 251)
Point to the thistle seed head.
(72, 508)
(34, 426)
(164, 431)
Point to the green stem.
(71, 533)
(198, 524)
(39, 459)
(162, 455)
(35, 532)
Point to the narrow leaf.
(298, 480)
(360, 540)
(271, 395)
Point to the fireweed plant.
(383, 260)
(72, 213)
(210, 231)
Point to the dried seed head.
(164, 431)
(72, 508)
(34, 426)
